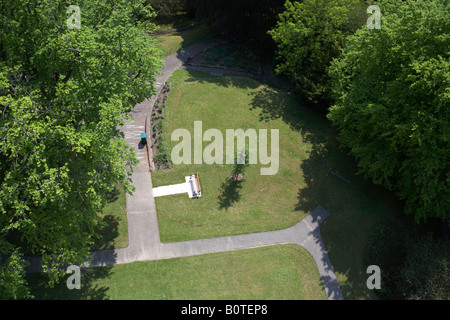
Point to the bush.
(158, 127)
(162, 157)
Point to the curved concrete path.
(143, 231)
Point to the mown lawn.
(172, 42)
(311, 167)
(177, 21)
(276, 272)
(235, 56)
(257, 203)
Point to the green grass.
(172, 42)
(230, 55)
(277, 272)
(178, 21)
(309, 152)
(115, 232)
(263, 202)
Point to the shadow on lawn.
(355, 205)
(325, 155)
(229, 193)
(108, 231)
(89, 289)
(210, 71)
(224, 81)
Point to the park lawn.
(115, 233)
(178, 21)
(264, 202)
(275, 272)
(237, 56)
(309, 155)
(172, 42)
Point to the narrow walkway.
(143, 231)
(171, 189)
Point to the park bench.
(195, 183)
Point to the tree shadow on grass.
(107, 233)
(108, 230)
(274, 104)
(89, 288)
(230, 193)
(354, 204)
(315, 133)
(210, 72)
(223, 80)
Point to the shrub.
(162, 157)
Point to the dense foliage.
(64, 92)
(413, 266)
(167, 10)
(392, 91)
(309, 34)
(251, 19)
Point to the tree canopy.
(392, 91)
(251, 19)
(64, 92)
(308, 35)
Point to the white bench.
(195, 183)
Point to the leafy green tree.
(309, 34)
(12, 273)
(64, 92)
(169, 9)
(250, 19)
(392, 103)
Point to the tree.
(250, 19)
(168, 9)
(392, 103)
(309, 34)
(63, 95)
(241, 162)
(12, 273)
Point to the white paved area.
(172, 189)
(185, 187)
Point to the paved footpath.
(143, 231)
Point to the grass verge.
(172, 42)
(276, 272)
